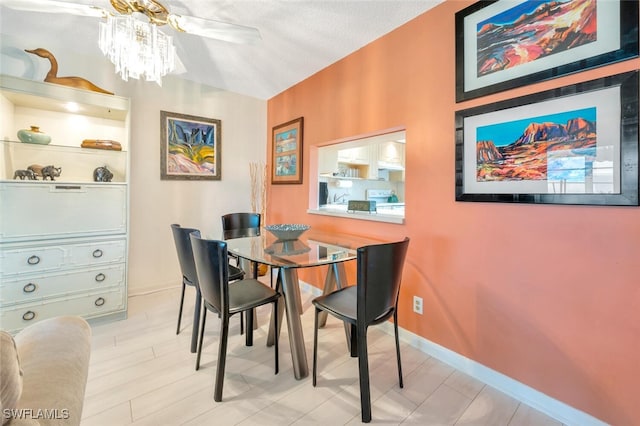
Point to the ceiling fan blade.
(215, 29)
(54, 6)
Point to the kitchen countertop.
(378, 205)
(386, 212)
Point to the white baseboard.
(536, 399)
(149, 290)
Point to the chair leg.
(241, 316)
(275, 343)
(353, 340)
(395, 327)
(196, 321)
(180, 310)
(249, 331)
(315, 345)
(204, 320)
(363, 367)
(271, 276)
(222, 357)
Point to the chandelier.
(137, 48)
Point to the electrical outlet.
(417, 305)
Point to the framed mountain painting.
(573, 145)
(505, 44)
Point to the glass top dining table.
(312, 248)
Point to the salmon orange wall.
(546, 294)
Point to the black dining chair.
(239, 225)
(373, 300)
(212, 266)
(190, 278)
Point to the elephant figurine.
(22, 174)
(102, 174)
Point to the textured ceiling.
(299, 37)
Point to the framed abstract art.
(505, 44)
(190, 147)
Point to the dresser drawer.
(38, 210)
(30, 289)
(93, 305)
(35, 259)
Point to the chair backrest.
(379, 277)
(211, 261)
(239, 225)
(185, 253)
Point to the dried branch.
(258, 174)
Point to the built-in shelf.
(77, 163)
(54, 97)
(63, 242)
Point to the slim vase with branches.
(258, 174)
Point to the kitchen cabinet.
(380, 157)
(359, 162)
(64, 241)
(357, 155)
(328, 161)
(391, 155)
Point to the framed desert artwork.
(574, 145)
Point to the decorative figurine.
(51, 172)
(102, 174)
(22, 174)
(36, 169)
(52, 75)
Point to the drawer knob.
(97, 253)
(29, 288)
(33, 260)
(28, 316)
(100, 277)
(99, 301)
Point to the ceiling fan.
(156, 12)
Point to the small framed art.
(286, 164)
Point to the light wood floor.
(142, 373)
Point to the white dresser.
(63, 243)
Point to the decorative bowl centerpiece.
(287, 248)
(287, 231)
(34, 135)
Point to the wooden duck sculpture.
(52, 75)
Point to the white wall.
(156, 204)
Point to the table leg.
(291, 289)
(330, 281)
(280, 312)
